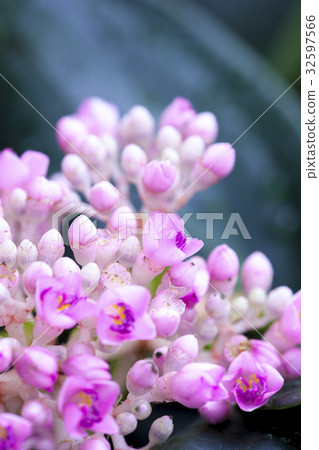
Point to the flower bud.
(133, 161)
(291, 362)
(170, 154)
(204, 125)
(178, 114)
(64, 266)
(159, 176)
(108, 245)
(83, 240)
(92, 150)
(10, 279)
(182, 274)
(104, 196)
(207, 330)
(51, 247)
(257, 297)
(42, 194)
(159, 356)
(99, 116)
(168, 136)
(182, 351)
(192, 149)
(8, 253)
(37, 413)
(123, 220)
(215, 412)
(219, 159)
(90, 274)
(278, 299)
(161, 430)
(37, 163)
(70, 132)
(240, 306)
(223, 266)
(257, 271)
(5, 232)
(18, 201)
(27, 254)
(33, 273)
(218, 307)
(76, 172)
(141, 409)
(127, 423)
(142, 377)
(137, 127)
(128, 251)
(88, 366)
(166, 321)
(94, 443)
(37, 366)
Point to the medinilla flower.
(250, 383)
(196, 384)
(37, 366)
(261, 350)
(122, 315)
(61, 301)
(164, 240)
(86, 405)
(14, 430)
(88, 366)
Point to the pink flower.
(122, 315)
(164, 240)
(37, 366)
(250, 383)
(179, 114)
(61, 302)
(159, 176)
(86, 405)
(290, 322)
(88, 366)
(223, 267)
(257, 271)
(14, 430)
(215, 412)
(196, 384)
(99, 116)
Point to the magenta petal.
(107, 426)
(72, 417)
(193, 246)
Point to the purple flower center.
(88, 403)
(251, 390)
(7, 439)
(190, 299)
(180, 240)
(122, 316)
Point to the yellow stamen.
(3, 433)
(84, 399)
(60, 300)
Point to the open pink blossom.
(122, 315)
(61, 301)
(250, 383)
(86, 405)
(14, 430)
(165, 242)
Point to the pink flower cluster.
(134, 291)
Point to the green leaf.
(288, 396)
(28, 331)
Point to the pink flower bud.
(37, 163)
(90, 275)
(215, 412)
(42, 194)
(33, 273)
(257, 271)
(128, 251)
(13, 172)
(142, 377)
(83, 240)
(37, 366)
(159, 356)
(88, 366)
(70, 132)
(192, 149)
(8, 253)
(80, 348)
(168, 136)
(208, 330)
(104, 196)
(64, 266)
(51, 247)
(166, 321)
(5, 232)
(291, 362)
(290, 322)
(123, 220)
(275, 337)
(181, 352)
(223, 266)
(137, 127)
(92, 150)
(133, 160)
(204, 125)
(278, 299)
(219, 159)
(127, 423)
(178, 114)
(10, 279)
(170, 154)
(218, 307)
(37, 413)
(95, 443)
(160, 430)
(18, 201)
(141, 409)
(159, 176)
(27, 254)
(76, 171)
(99, 116)
(182, 274)
(108, 245)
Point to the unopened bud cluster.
(132, 285)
